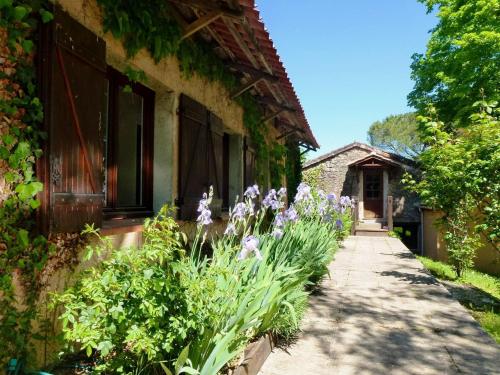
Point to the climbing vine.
(150, 25)
(293, 168)
(23, 252)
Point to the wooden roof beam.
(246, 86)
(292, 127)
(306, 146)
(286, 134)
(269, 101)
(252, 71)
(201, 23)
(272, 115)
(210, 7)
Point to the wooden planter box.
(255, 355)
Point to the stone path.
(382, 313)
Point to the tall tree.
(397, 134)
(462, 63)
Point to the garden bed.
(170, 307)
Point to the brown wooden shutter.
(193, 171)
(75, 113)
(249, 164)
(215, 159)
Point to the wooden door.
(373, 193)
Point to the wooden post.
(354, 215)
(390, 224)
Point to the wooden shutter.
(215, 157)
(75, 112)
(193, 171)
(249, 164)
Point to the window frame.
(111, 209)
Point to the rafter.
(201, 22)
(252, 71)
(209, 6)
(292, 127)
(246, 86)
(270, 101)
(286, 134)
(272, 115)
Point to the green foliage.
(312, 176)
(399, 232)
(490, 321)
(397, 134)
(287, 323)
(462, 63)
(24, 252)
(460, 178)
(134, 306)
(162, 308)
(439, 269)
(293, 169)
(276, 164)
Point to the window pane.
(129, 148)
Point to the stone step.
(371, 232)
(369, 226)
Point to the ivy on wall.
(293, 168)
(150, 25)
(23, 253)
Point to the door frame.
(380, 213)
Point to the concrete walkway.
(382, 313)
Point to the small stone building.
(369, 175)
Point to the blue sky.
(349, 61)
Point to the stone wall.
(334, 175)
(406, 203)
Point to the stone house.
(369, 175)
(119, 145)
(118, 149)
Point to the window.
(128, 140)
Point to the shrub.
(161, 308)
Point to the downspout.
(421, 230)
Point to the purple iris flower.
(203, 203)
(331, 197)
(345, 201)
(339, 224)
(281, 192)
(240, 211)
(205, 217)
(252, 191)
(322, 207)
(280, 220)
(271, 200)
(249, 244)
(303, 192)
(291, 214)
(277, 233)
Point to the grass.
(477, 291)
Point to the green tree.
(460, 178)
(397, 134)
(462, 61)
